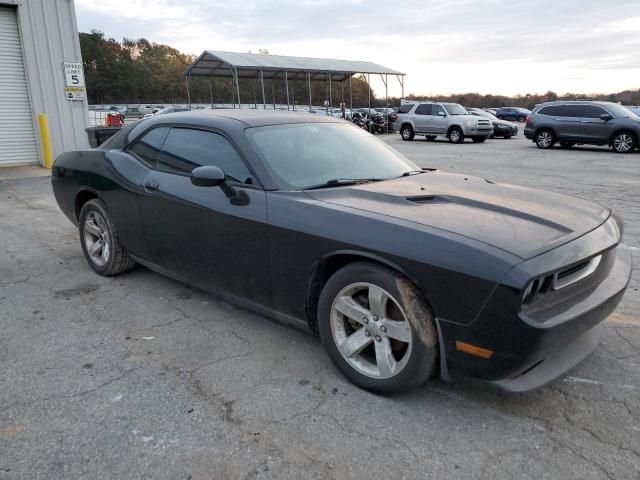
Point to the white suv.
(432, 119)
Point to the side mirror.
(605, 117)
(207, 176)
(442, 114)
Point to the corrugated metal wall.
(50, 37)
(17, 135)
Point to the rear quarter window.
(406, 108)
(551, 111)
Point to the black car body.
(501, 128)
(506, 271)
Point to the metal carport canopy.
(223, 64)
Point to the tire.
(407, 133)
(567, 144)
(624, 142)
(382, 362)
(430, 138)
(479, 139)
(545, 139)
(521, 119)
(455, 135)
(97, 229)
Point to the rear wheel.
(377, 329)
(100, 242)
(624, 142)
(407, 133)
(479, 139)
(521, 119)
(430, 138)
(545, 139)
(455, 135)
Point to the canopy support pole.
(369, 91)
(386, 99)
(309, 82)
(330, 96)
(350, 95)
(235, 70)
(342, 99)
(211, 93)
(264, 100)
(286, 85)
(188, 94)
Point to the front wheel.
(545, 139)
(377, 329)
(406, 132)
(624, 142)
(521, 119)
(455, 135)
(100, 242)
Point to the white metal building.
(36, 38)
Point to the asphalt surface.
(139, 376)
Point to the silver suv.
(579, 122)
(432, 119)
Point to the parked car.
(432, 119)
(513, 113)
(165, 110)
(501, 128)
(635, 110)
(402, 271)
(583, 122)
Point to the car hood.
(504, 122)
(522, 221)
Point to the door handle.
(151, 185)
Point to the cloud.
(443, 45)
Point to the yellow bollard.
(45, 134)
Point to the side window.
(148, 147)
(570, 110)
(186, 148)
(424, 109)
(551, 110)
(406, 108)
(436, 109)
(593, 111)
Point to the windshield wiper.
(341, 182)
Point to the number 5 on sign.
(73, 74)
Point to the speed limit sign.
(73, 74)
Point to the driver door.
(199, 234)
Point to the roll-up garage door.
(17, 136)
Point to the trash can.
(99, 135)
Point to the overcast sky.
(444, 46)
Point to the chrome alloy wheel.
(371, 330)
(454, 136)
(406, 133)
(544, 139)
(96, 238)
(623, 143)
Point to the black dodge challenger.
(402, 271)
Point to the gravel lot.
(141, 377)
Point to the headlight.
(502, 126)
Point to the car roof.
(251, 118)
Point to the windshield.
(484, 113)
(307, 154)
(619, 111)
(455, 109)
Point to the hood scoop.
(428, 199)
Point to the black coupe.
(402, 271)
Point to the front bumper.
(532, 347)
(473, 131)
